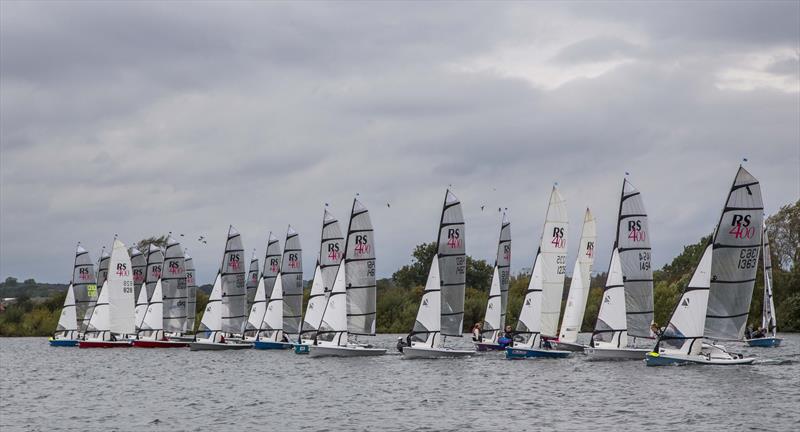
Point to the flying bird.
(482, 207)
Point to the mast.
(191, 293)
(768, 318)
(252, 279)
(494, 319)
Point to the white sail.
(737, 243)
(292, 282)
(427, 326)
(529, 325)
(451, 246)
(611, 327)
(581, 279)
(191, 293)
(68, 321)
(272, 267)
(684, 332)
(768, 319)
(84, 286)
(232, 275)
(100, 322)
(633, 244)
(317, 299)
(211, 322)
(272, 325)
(331, 251)
(173, 286)
(492, 322)
(92, 289)
(120, 287)
(333, 329)
(140, 309)
(153, 322)
(553, 250)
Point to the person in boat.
(748, 333)
(507, 338)
(221, 338)
(476, 333)
(760, 333)
(400, 344)
(655, 331)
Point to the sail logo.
(454, 238)
(685, 302)
(507, 252)
(635, 232)
(294, 260)
(362, 244)
(122, 269)
(528, 302)
(558, 238)
(155, 271)
(607, 299)
(174, 267)
(333, 252)
(84, 274)
(273, 265)
(254, 277)
(234, 261)
(741, 227)
(425, 302)
(190, 278)
(138, 275)
(590, 249)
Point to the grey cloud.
(597, 49)
(786, 66)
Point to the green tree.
(11, 281)
(416, 273)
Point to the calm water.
(46, 388)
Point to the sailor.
(476, 332)
(400, 344)
(507, 338)
(654, 330)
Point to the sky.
(140, 118)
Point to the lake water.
(46, 388)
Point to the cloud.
(143, 118)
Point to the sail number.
(371, 268)
(561, 260)
(127, 287)
(461, 265)
(644, 260)
(748, 258)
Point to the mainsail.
(191, 293)
(737, 242)
(360, 272)
(633, 244)
(292, 282)
(84, 286)
(173, 285)
(155, 262)
(768, 320)
(252, 279)
(114, 310)
(579, 285)
(495, 317)
(272, 263)
(553, 249)
(331, 251)
(139, 266)
(234, 300)
(452, 265)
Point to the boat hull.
(301, 349)
(185, 339)
(143, 343)
(568, 346)
(343, 351)
(656, 359)
(64, 342)
(216, 346)
(431, 353)
(488, 346)
(524, 353)
(616, 353)
(270, 345)
(767, 342)
(104, 344)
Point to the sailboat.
(191, 294)
(716, 303)
(441, 310)
(225, 310)
(495, 318)
(272, 266)
(77, 300)
(67, 332)
(173, 284)
(331, 251)
(282, 310)
(252, 280)
(113, 314)
(151, 332)
(350, 309)
(768, 321)
(542, 305)
(578, 288)
(627, 306)
(92, 291)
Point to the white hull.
(616, 353)
(680, 360)
(427, 352)
(344, 351)
(568, 346)
(216, 346)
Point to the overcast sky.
(140, 118)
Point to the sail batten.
(360, 272)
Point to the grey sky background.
(139, 118)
